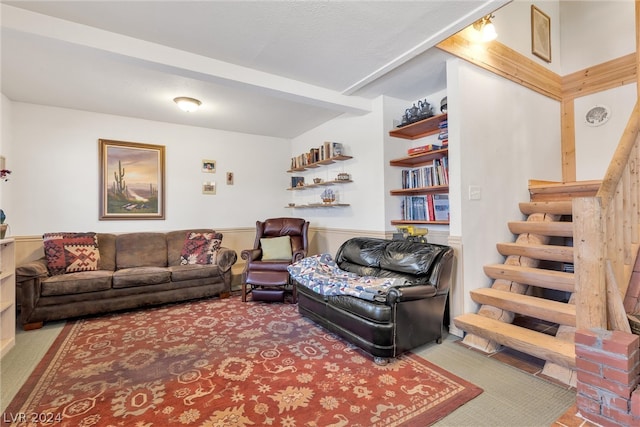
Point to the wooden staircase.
(536, 280)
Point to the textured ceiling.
(274, 68)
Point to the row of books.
(430, 207)
(436, 173)
(326, 151)
(443, 135)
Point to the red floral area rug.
(226, 363)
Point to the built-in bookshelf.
(7, 296)
(425, 188)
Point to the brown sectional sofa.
(134, 270)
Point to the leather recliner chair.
(267, 279)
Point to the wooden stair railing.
(606, 232)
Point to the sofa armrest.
(226, 258)
(410, 293)
(298, 255)
(31, 270)
(251, 254)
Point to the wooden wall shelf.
(419, 129)
(420, 159)
(319, 205)
(320, 163)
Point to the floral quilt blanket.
(321, 274)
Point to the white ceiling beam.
(180, 62)
(464, 21)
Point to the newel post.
(589, 255)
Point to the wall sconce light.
(486, 28)
(187, 104)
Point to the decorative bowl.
(317, 180)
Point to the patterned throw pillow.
(201, 248)
(71, 252)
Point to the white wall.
(505, 135)
(5, 137)
(595, 145)
(596, 31)
(53, 153)
(361, 137)
(592, 33)
(513, 24)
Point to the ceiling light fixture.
(187, 104)
(486, 28)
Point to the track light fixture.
(486, 28)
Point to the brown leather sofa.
(410, 316)
(134, 270)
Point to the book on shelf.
(441, 207)
(430, 175)
(423, 149)
(297, 181)
(418, 208)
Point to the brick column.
(608, 368)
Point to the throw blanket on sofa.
(322, 275)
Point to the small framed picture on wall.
(540, 34)
(209, 187)
(208, 166)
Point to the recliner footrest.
(270, 295)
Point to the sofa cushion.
(276, 248)
(410, 257)
(200, 248)
(76, 283)
(140, 276)
(71, 252)
(193, 271)
(107, 247)
(141, 250)
(362, 251)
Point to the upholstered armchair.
(279, 242)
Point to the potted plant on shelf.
(3, 226)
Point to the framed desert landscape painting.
(131, 180)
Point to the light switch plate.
(475, 192)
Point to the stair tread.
(537, 344)
(539, 308)
(549, 279)
(537, 251)
(563, 207)
(545, 228)
(563, 190)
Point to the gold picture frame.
(540, 34)
(132, 180)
